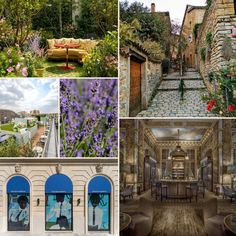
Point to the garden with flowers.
(55, 38)
(222, 101)
(89, 118)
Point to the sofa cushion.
(50, 43)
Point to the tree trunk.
(60, 17)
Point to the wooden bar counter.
(176, 188)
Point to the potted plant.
(39, 67)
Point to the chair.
(201, 189)
(192, 191)
(228, 192)
(161, 190)
(213, 220)
(127, 192)
(142, 218)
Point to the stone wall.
(151, 77)
(219, 19)
(80, 171)
(154, 77)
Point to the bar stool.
(161, 190)
(191, 190)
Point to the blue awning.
(59, 183)
(99, 184)
(18, 184)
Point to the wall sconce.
(38, 202)
(78, 201)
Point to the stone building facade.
(218, 24)
(140, 149)
(139, 75)
(193, 15)
(79, 171)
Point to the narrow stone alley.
(167, 102)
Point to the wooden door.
(135, 88)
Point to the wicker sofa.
(77, 54)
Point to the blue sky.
(29, 94)
(175, 7)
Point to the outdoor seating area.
(31, 47)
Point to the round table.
(67, 46)
(125, 221)
(230, 224)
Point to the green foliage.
(19, 16)
(11, 149)
(154, 49)
(48, 18)
(209, 38)
(203, 54)
(208, 3)
(129, 32)
(152, 26)
(97, 17)
(103, 60)
(222, 101)
(196, 29)
(165, 65)
(9, 62)
(29, 61)
(182, 89)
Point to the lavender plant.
(89, 118)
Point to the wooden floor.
(178, 218)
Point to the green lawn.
(7, 127)
(52, 69)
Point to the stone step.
(184, 78)
(174, 85)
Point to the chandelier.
(178, 151)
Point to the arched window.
(59, 201)
(99, 198)
(18, 192)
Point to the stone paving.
(167, 101)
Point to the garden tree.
(19, 14)
(153, 26)
(129, 32)
(98, 17)
(55, 18)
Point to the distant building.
(35, 112)
(193, 15)
(7, 115)
(23, 113)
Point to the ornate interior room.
(177, 177)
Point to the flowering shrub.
(89, 118)
(10, 63)
(103, 60)
(223, 100)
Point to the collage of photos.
(117, 117)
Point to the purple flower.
(24, 72)
(89, 118)
(10, 69)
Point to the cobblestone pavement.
(167, 101)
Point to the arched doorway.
(58, 203)
(18, 211)
(99, 204)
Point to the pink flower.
(10, 69)
(24, 72)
